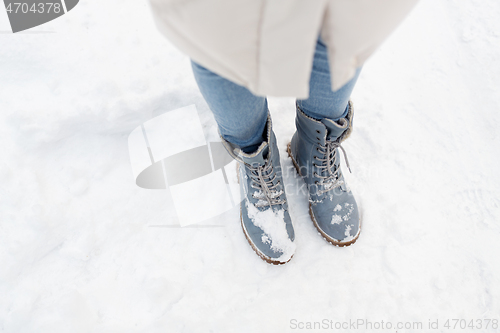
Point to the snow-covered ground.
(83, 249)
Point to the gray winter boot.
(264, 210)
(314, 150)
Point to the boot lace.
(263, 177)
(329, 178)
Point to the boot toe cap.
(270, 233)
(337, 219)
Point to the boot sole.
(247, 236)
(325, 235)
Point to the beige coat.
(268, 45)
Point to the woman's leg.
(323, 121)
(322, 101)
(243, 121)
(240, 115)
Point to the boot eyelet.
(316, 182)
(314, 165)
(318, 131)
(318, 139)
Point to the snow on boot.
(264, 210)
(314, 150)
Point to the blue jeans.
(241, 116)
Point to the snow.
(347, 234)
(344, 216)
(336, 219)
(83, 249)
(274, 230)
